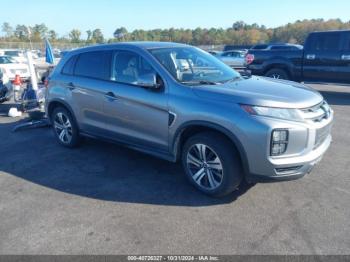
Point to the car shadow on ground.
(99, 170)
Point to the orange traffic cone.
(17, 81)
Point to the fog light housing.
(279, 142)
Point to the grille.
(317, 113)
(321, 135)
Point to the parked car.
(325, 58)
(11, 68)
(236, 47)
(223, 128)
(283, 46)
(235, 59)
(17, 54)
(5, 93)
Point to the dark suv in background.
(325, 58)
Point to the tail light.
(249, 58)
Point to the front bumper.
(308, 142)
(293, 168)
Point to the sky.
(64, 15)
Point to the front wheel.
(277, 74)
(212, 164)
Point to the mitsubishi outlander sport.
(180, 103)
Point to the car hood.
(14, 66)
(262, 91)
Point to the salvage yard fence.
(39, 45)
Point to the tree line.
(239, 34)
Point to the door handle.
(71, 85)
(345, 57)
(311, 57)
(111, 96)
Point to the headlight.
(281, 113)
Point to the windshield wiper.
(201, 82)
(232, 79)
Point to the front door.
(133, 113)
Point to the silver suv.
(178, 102)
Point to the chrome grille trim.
(316, 113)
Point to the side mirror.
(148, 81)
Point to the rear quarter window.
(283, 48)
(68, 68)
(96, 64)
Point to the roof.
(140, 45)
(331, 31)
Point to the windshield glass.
(5, 60)
(189, 65)
(13, 53)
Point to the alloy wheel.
(275, 76)
(205, 166)
(63, 128)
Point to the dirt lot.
(104, 199)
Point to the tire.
(64, 127)
(204, 172)
(277, 74)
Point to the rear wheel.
(277, 74)
(212, 164)
(65, 127)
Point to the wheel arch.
(59, 103)
(279, 64)
(191, 128)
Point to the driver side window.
(127, 67)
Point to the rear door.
(91, 72)
(322, 57)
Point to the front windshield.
(13, 53)
(189, 65)
(5, 60)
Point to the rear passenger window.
(281, 48)
(326, 42)
(94, 64)
(68, 68)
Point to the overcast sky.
(64, 15)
